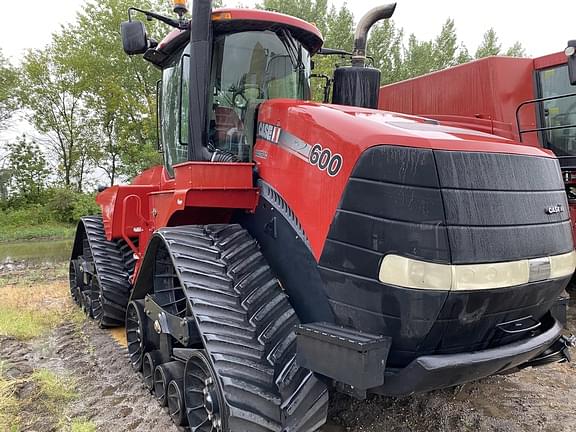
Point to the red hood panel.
(307, 151)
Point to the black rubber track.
(247, 324)
(112, 274)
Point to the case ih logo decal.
(318, 156)
(325, 160)
(555, 209)
(269, 132)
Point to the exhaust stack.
(359, 85)
(364, 26)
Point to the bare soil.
(113, 397)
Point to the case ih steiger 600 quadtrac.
(287, 246)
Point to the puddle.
(36, 252)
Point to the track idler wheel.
(163, 374)
(135, 333)
(176, 404)
(203, 396)
(149, 363)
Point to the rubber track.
(247, 324)
(111, 271)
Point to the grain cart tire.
(216, 277)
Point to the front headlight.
(410, 273)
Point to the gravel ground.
(114, 399)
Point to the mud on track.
(114, 399)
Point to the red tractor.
(532, 101)
(287, 247)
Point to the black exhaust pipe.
(200, 65)
(364, 26)
(359, 85)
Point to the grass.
(48, 231)
(30, 309)
(9, 406)
(51, 396)
(80, 425)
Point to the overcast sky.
(542, 27)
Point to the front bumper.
(433, 372)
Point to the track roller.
(175, 400)
(135, 333)
(149, 363)
(163, 374)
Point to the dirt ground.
(113, 398)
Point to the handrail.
(141, 221)
(533, 101)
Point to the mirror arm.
(182, 25)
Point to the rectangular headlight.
(410, 273)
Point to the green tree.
(445, 47)
(119, 91)
(385, 47)
(516, 50)
(28, 167)
(53, 95)
(490, 45)
(313, 11)
(8, 87)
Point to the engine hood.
(365, 128)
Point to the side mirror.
(571, 54)
(134, 38)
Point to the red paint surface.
(199, 193)
(489, 89)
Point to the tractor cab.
(252, 56)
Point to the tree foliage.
(491, 46)
(8, 89)
(53, 95)
(29, 169)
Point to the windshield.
(249, 68)
(559, 112)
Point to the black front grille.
(497, 206)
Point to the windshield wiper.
(294, 51)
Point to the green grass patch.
(50, 231)
(53, 390)
(24, 324)
(79, 425)
(9, 406)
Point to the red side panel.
(489, 89)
